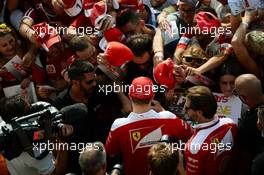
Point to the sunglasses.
(198, 61)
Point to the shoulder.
(167, 115)
(120, 122)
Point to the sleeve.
(181, 130)
(30, 14)
(184, 41)
(236, 7)
(44, 166)
(194, 163)
(112, 146)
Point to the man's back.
(209, 150)
(133, 136)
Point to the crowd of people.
(189, 71)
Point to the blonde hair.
(195, 51)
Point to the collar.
(207, 124)
(148, 114)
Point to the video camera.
(42, 121)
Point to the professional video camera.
(42, 121)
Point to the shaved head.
(249, 85)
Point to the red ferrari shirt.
(210, 149)
(133, 136)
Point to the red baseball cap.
(163, 74)
(117, 53)
(46, 35)
(72, 7)
(88, 4)
(113, 34)
(135, 4)
(97, 14)
(141, 88)
(206, 21)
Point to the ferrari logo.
(215, 140)
(136, 136)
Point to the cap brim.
(75, 9)
(46, 45)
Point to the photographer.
(16, 106)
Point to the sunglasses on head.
(198, 61)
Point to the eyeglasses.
(198, 61)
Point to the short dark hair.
(202, 99)
(11, 107)
(79, 43)
(163, 159)
(127, 16)
(78, 68)
(139, 44)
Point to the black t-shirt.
(249, 137)
(133, 70)
(102, 111)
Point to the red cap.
(135, 4)
(88, 4)
(117, 53)
(97, 14)
(72, 7)
(46, 35)
(163, 73)
(206, 21)
(113, 34)
(141, 88)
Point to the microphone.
(74, 113)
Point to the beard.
(87, 92)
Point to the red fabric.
(211, 161)
(114, 34)
(46, 35)
(117, 53)
(81, 21)
(52, 70)
(136, 4)
(134, 135)
(206, 21)
(163, 73)
(37, 14)
(141, 88)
